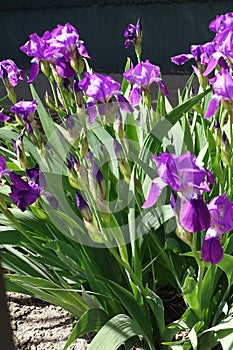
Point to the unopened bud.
(77, 63)
(184, 235)
(56, 76)
(49, 101)
(72, 175)
(94, 232)
(73, 131)
(147, 97)
(20, 151)
(99, 179)
(10, 90)
(109, 110)
(81, 172)
(218, 133)
(78, 94)
(40, 213)
(83, 207)
(203, 81)
(228, 105)
(45, 68)
(123, 163)
(84, 146)
(226, 150)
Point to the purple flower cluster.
(221, 213)
(9, 70)
(183, 175)
(101, 89)
(61, 47)
(222, 85)
(133, 33)
(141, 77)
(24, 193)
(208, 56)
(26, 110)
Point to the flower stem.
(198, 261)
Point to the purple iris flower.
(221, 213)
(223, 91)
(64, 68)
(8, 69)
(38, 48)
(3, 117)
(141, 77)
(182, 58)
(201, 53)
(222, 22)
(101, 88)
(26, 110)
(223, 41)
(65, 40)
(133, 33)
(182, 174)
(24, 193)
(58, 47)
(2, 166)
(207, 55)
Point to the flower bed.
(117, 198)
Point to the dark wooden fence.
(170, 27)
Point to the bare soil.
(38, 325)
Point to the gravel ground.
(38, 325)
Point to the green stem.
(51, 81)
(198, 261)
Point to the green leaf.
(107, 140)
(131, 131)
(66, 296)
(226, 266)
(191, 295)
(154, 218)
(225, 324)
(14, 263)
(115, 333)
(27, 219)
(158, 309)
(138, 312)
(125, 83)
(56, 300)
(215, 158)
(226, 339)
(9, 235)
(193, 334)
(206, 293)
(49, 127)
(102, 289)
(154, 139)
(91, 321)
(188, 141)
(186, 91)
(7, 134)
